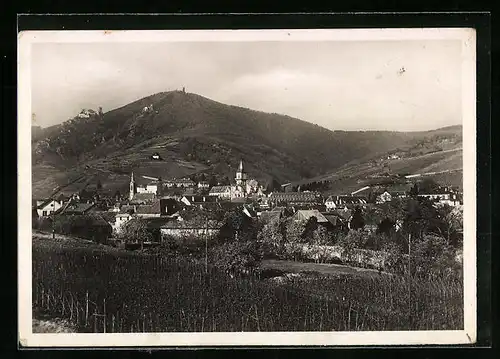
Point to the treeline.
(91, 227)
(431, 236)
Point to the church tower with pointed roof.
(241, 176)
(132, 187)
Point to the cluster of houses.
(166, 213)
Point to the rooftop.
(294, 196)
(140, 197)
(305, 215)
(153, 208)
(220, 189)
(45, 203)
(334, 219)
(77, 208)
(200, 199)
(269, 216)
(347, 199)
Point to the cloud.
(339, 85)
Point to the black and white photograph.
(250, 187)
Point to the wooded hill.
(192, 133)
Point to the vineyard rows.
(104, 292)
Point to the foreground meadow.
(101, 290)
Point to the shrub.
(83, 226)
(135, 231)
(293, 231)
(271, 237)
(433, 257)
(321, 236)
(42, 223)
(237, 257)
(349, 243)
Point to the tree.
(357, 221)
(414, 190)
(237, 258)
(136, 231)
(394, 260)
(321, 236)
(349, 243)
(213, 181)
(273, 186)
(375, 241)
(293, 230)
(452, 226)
(428, 185)
(238, 226)
(310, 226)
(372, 197)
(422, 217)
(386, 226)
(433, 257)
(271, 234)
(225, 181)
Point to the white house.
(447, 198)
(203, 184)
(149, 188)
(384, 197)
(152, 188)
(120, 220)
(334, 202)
(48, 207)
(183, 182)
(115, 208)
(191, 200)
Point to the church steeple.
(132, 187)
(240, 175)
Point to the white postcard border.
(29, 339)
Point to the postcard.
(247, 187)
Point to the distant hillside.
(437, 154)
(192, 133)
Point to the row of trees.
(411, 227)
(83, 226)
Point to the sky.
(341, 85)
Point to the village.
(178, 207)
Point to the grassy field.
(320, 268)
(103, 289)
